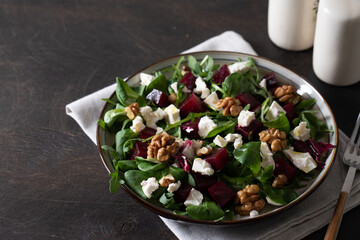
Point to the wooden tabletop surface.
(52, 182)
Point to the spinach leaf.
(194, 65)
(220, 128)
(125, 94)
(249, 155)
(206, 211)
(125, 165)
(114, 115)
(279, 195)
(305, 105)
(120, 138)
(102, 124)
(238, 183)
(148, 166)
(316, 126)
(115, 181)
(281, 123)
(159, 83)
(266, 174)
(167, 200)
(236, 83)
(178, 173)
(111, 151)
(133, 179)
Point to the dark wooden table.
(52, 182)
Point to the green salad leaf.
(207, 211)
(249, 155)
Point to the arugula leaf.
(249, 155)
(236, 83)
(194, 65)
(281, 123)
(316, 126)
(111, 151)
(120, 138)
(115, 182)
(206, 211)
(125, 165)
(279, 195)
(305, 105)
(220, 128)
(125, 94)
(160, 83)
(102, 124)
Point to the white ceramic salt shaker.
(336, 56)
(291, 23)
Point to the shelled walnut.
(184, 70)
(132, 110)
(203, 151)
(161, 147)
(167, 180)
(285, 93)
(276, 138)
(229, 105)
(279, 181)
(249, 199)
(172, 98)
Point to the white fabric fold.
(295, 223)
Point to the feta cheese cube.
(152, 117)
(206, 124)
(274, 111)
(137, 124)
(241, 67)
(149, 186)
(194, 199)
(238, 143)
(201, 88)
(245, 118)
(174, 186)
(212, 100)
(145, 79)
(230, 137)
(253, 213)
(220, 141)
(301, 132)
(303, 161)
(203, 167)
(172, 114)
(267, 156)
(263, 83)
(145, 110)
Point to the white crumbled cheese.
(201, 88)
(180, 142)
(202, 166)
(220, 141)
(172, 114)
(241, 67)
(238, 143)
(263, 83)
(253, 213)
(205, 126)
(212, 100)
(273, 203)
(174, 186)
(145, 79)
(274, 111)
(137, 124)
(301, 132)
(230, 137)
(195, 198)
(245, 118)
(149, 186)
(267, 156)
(303, 161)
(152, 117)
(175, 88)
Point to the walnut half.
(161, 147)
(229, 105)
(276, 138)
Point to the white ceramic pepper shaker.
(291, 23)
(336, 56)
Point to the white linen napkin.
(294, 223)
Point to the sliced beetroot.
(189, 81)
(283, 167)
(147, 132)
(139, 150)
(250, 132)
(159, 98)
(221, 193)
(191, 104)
(301, 146)
(184, 164)
(247, 98)
(271, 81)
(220, 74)
(218, 158)
(182, 193)
(203, 182)
(290, 111)
(190, 129)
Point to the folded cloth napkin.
(294, 223)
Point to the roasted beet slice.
(147, 132)
(247, 98)
(271, 81)
(301, 146)
(221, 193)
(188, 80)
(184, 164)
(218, 158)
(139, 150)
(182, 193)
(159, 98)
(220, 74)
(190, 129)
(250, 132)
(283, 167)
(191, 104)
(203, 182)
(290, 111)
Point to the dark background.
(52, 182)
